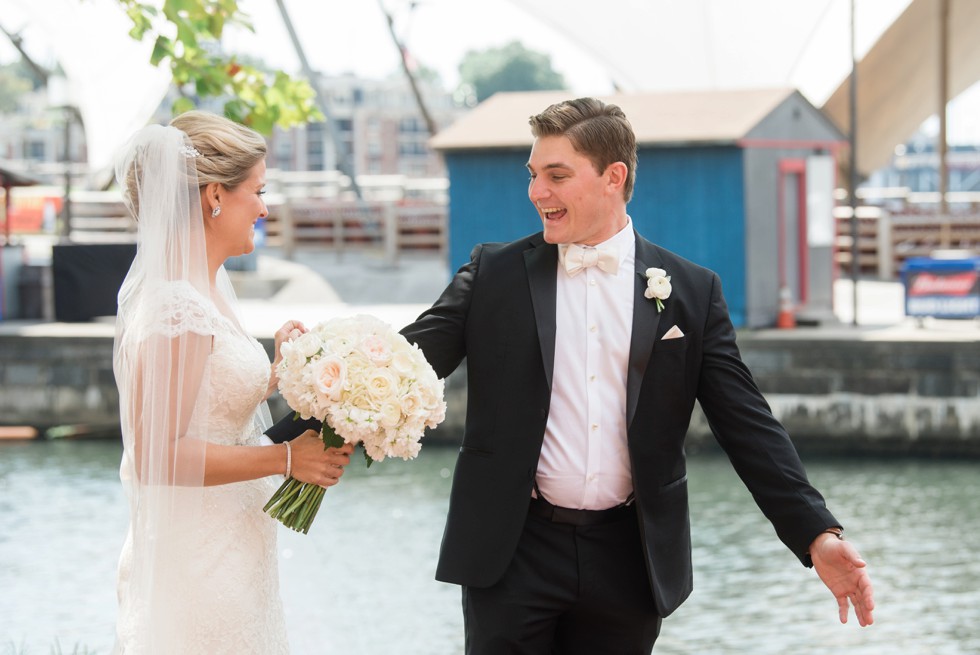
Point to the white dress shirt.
(584, 461)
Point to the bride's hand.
(289, 331)
(313, 464)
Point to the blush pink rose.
(329, 377)
(377, 350)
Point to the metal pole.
(6, 210)
(39, 72)
(389, 216)
(66, 208)
(321, 100)
(430, 123)
(943, 99)
(853, 175)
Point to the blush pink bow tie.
(576, 258)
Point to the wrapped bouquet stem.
(368, 386)
(296, 503)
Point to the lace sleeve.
(176, 308)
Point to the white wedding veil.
(161, 363)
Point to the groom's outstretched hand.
(288, 428)
(844, 572)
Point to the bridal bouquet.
(367, 385)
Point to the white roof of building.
(679, 117)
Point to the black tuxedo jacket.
(498, 313)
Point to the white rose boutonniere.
(658, 286)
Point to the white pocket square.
(672, 333)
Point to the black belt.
(542, 508)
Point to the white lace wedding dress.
(230, 599)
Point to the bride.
(198, 571)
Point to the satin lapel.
(646, 319)
(542, 266)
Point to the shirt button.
(595, 426)
(591, 477)
(591, 378)
(592, 282)
(593, 329)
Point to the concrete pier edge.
(899, 387)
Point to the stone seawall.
(835, 391)
(61, 383)
(51, 381)
(919, 395)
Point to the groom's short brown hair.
(598, 130)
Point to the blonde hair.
(228, 150)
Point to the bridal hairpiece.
(190, 151)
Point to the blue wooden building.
(738, 181)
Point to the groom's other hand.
(290, 426)
(315, 465)
(841, 568)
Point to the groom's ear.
(616, 174)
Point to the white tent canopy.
(109, 78)
(616, 45)
(898, 79)
(668, 45)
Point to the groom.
(568, 520)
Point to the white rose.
(359, 398)
(307, 345)
(390, 415)
(381, 384)
(403, 361)
(410, 403)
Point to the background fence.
(319, 210)
(886, 240)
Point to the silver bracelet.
(289, 459)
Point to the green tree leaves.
(15, 81)
(508, 68)
(187, 35)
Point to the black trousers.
(570, 590)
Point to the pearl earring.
(216, 212)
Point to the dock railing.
(886, 239)
(390, 227)
(310, 210)
(318, 210)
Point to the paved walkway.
(316, 286)
(325, 285)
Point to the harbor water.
(361, 583)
